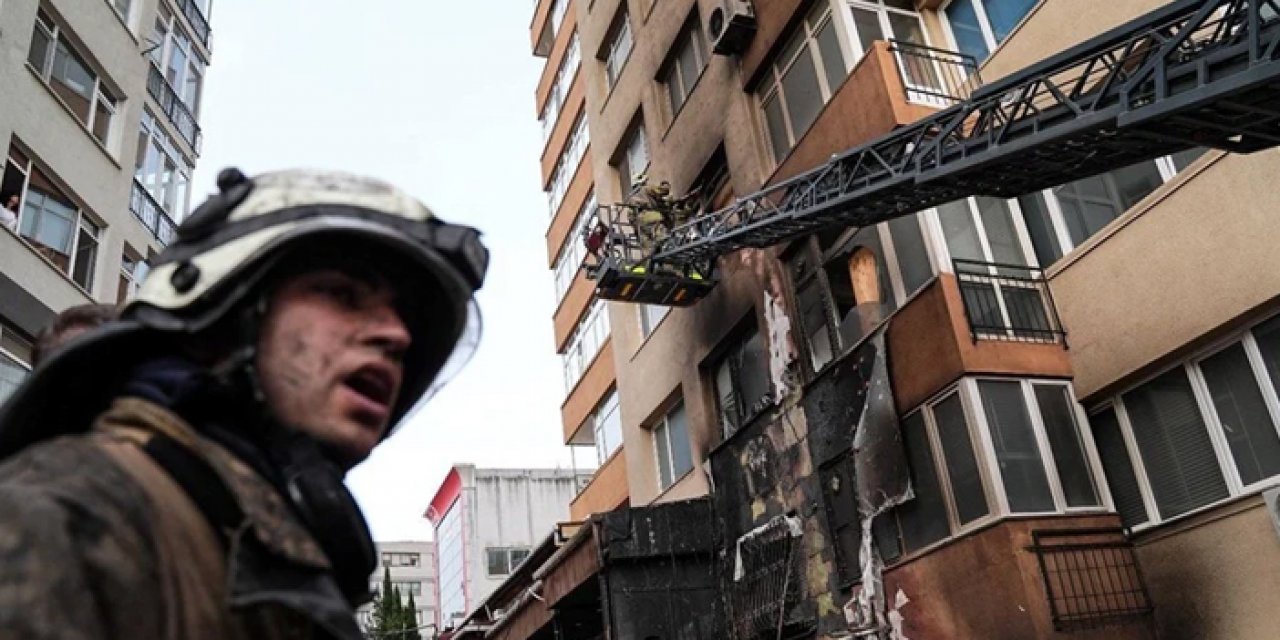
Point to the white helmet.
(220, 258)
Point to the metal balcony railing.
(1091, 578)
(199, 23)
(151, 214)
(1007, 302)
(936, 77)
(174, 108)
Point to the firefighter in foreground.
(178, 473)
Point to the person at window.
(178, 473)
(9, 214)
(70, 324)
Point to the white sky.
(436, 96)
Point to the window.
(891, 19)
(1197, 434)
(650, 316)
(684, 65)
(671, 444)
(162, 169)
(910, 252)
(573, 252)
(843, 289)
(567, 165)
(396, 559)
(178, 61)
(1024, 437)
(452, 559)
(1062, 218)
(122, 8)
(801, 79)
(51, 222)
(560, 88)
(978, 26)
(839, 492)
(742, 381)
(617, 48)
(501, 561)
(633, 159)
(587, 339)
(72, 79)
(15, 359)
(607, 426)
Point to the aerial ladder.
(1195, 73)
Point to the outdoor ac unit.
(731, 27)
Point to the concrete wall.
(513, 508)
(606, 491)
(1128, 308)
(1214, 576)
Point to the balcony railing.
(1091, 578)
(935, 77)
(199, 23)
(151, 214)
(174, 108)
(1007, 302)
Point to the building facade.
(99, 118)
(486, 523)
(412, 566)
(1083, 379)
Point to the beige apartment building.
(99, 118)
(1085, 377)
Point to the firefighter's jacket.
(98, 541)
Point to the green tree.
(411, 621)
(386, 610)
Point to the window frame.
(690, 39)
(622, 164)
(731, 354)
(594, 322)
(572, 252)
(175, 32)
(567, 164)
(82, 217)
(600, 418)
(99, 94)
(621, 31)
(984, 26)
(508, 557)
(661, 429)
(649, 321)
(984, 454)
(774, 71)
(1190, 368)
(566, 73)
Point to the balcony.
(1007, 302)
(151, 214)
(174, 108)
(608, 489)
(1091, 578)
(934, 77)
(199, 23)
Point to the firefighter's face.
(330, 358)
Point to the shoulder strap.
(200, 482)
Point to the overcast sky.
(435, 96)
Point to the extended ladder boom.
(1193, 73)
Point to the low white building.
(413, 571)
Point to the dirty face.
(331, 356)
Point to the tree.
(386, 610)
(411, 621)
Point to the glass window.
(801, 79)
(48, 221)
(634, 159)
(71, 78)
(911, 252)
(980, 25)
(685, 65)
(650, 316)
(1243, 414)
(1179, 457)
(742, 382)
(608, 427)
(1057, 410)
(1267, 336)
(1121, 479)
(924, 518)
(961, 465)
(1017, 453)
(1044, 238)
(12, 373)
(619, 49)
(671, 437)
(86, 254)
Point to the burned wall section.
(660, 571)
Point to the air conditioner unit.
(731, 27)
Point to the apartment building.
(412, 566)
(99, 118)
(1083, 380)
(486, 523)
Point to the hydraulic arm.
(1193, 73)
